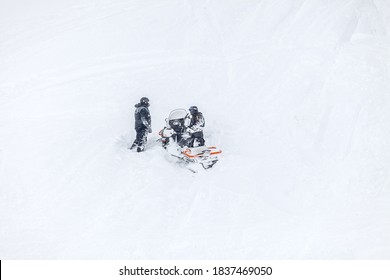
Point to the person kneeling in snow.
(194, 127)
(143, 124)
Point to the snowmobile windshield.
(177, 114)
(176, 120)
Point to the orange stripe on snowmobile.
(199, 155)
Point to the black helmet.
(193, 110)
(144, 101)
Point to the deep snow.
(295, 93)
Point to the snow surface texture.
(295, 93)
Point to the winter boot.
(133, 146)
(135, 143)
(140, 149)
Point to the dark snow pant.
(196, 139)
(140, 139)
(178, 138)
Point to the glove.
(167, 132)
(150, 129)
(186, 135)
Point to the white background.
(295, 93)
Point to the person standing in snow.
(195, 124)
(143, 124)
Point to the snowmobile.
(175, 139)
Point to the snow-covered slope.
(296, 93)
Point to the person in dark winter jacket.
(143, 124)
(195, 123)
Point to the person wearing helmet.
(143, 124)
(195, 124)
